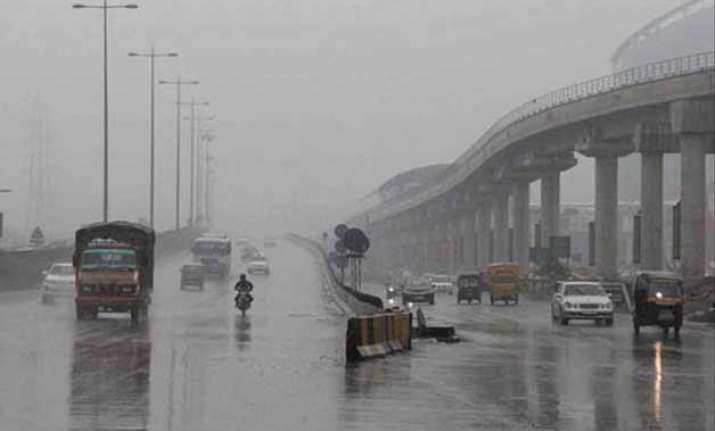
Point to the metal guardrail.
(651, 72)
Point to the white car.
(258, 267)
(59, 281)
(442, 283)
(579, 300)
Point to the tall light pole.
(192, 191)
(202, 137)
(105, 7)
(178, 84)
(152, 55)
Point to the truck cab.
(114, 269)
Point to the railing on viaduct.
(646, 73)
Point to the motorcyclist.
(243, 286)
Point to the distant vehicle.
(213, 252)
(258, 266)
(658, 301)
(581, 300)
(503, 281)
(114, 263)
(469, 287)
(59, 281)
(418, 291)
(192, 275)
(250, 253)
(442, 283)
(618, 292)
(391, 291)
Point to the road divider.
(377, 335)
(358, 303)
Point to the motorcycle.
(243, 302)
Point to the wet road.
(197, 365)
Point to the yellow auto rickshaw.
(503, 282)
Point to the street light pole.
(104, 7)
(178, 84)
(202, 137)
(152, 55)
(192, 158)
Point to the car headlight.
(608, 305)
(390, 289)
(391, 301)
(659, 295)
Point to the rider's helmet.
(242, 276)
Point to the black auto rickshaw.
(469, 287)
(658, 301)
(193, 275)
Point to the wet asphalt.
(196, 364)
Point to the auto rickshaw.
(658, 301)
(504, 282)
(469, 287)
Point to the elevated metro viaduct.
(658, 108)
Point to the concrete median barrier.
(358, 303)
(377, 335)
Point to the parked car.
(59, 281)
(442, 283)
(193, 275)
(418, 291)
(258, 266)
(580, 300)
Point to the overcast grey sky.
(317, 102)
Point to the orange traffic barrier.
(377, 335)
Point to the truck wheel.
(609, 321)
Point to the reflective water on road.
(196, 364)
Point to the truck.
(114, 269)
(214, 252)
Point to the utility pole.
(105, 7)
(178, 83)
(152, 55)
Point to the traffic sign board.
(356, 240)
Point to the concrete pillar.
(501, 226)
(652, 210)
(484, 226)
(607, 216)
(692, 201)
(520, 196)
(550, 206)
(468, 259)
